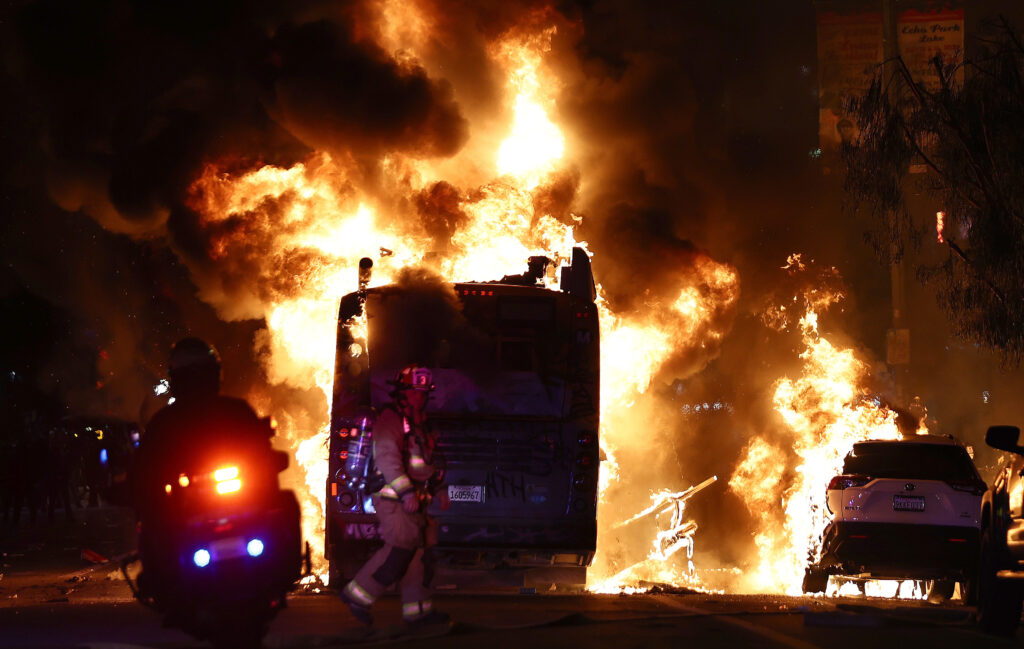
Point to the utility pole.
(897, 339)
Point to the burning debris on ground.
(674, 534)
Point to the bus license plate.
(908, 503)
(465, 493)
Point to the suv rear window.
(911, 461)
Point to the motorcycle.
(225, 550)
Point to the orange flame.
(825, 411)
(291, 238)
(535, 143)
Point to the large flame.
(535, 144)
(290, 239)
(825, 411)
(297, 234)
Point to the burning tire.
(815, 580)
(969, 591)
(941, 589)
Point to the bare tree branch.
(969, 136)
(967, 260)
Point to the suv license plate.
(465, 493)
(908, 503)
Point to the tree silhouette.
(971, 139)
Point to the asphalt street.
(498, 621)
(56, 591)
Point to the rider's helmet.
(194, 369)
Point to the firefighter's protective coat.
(405, 457)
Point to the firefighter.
(411, 475)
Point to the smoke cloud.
(126, 105)
(688, 130)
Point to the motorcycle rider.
(198, 419)
(411, 476)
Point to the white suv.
(906, 509)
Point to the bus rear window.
(526, 309)
(513, 333)
(516, 355)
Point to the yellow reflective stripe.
(401, 484)
(414, 610)
(417, 462)
(358, 593)
(388, 493)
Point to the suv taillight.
(847, 481)
(973, 487)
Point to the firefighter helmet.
(193, 368)
(414, 377)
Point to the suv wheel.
(969, 591)
(969, 586)
(999, 602)
(941, 590)
(815, 580)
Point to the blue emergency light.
(254, 548)
(201, 558)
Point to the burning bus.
(517, 369)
